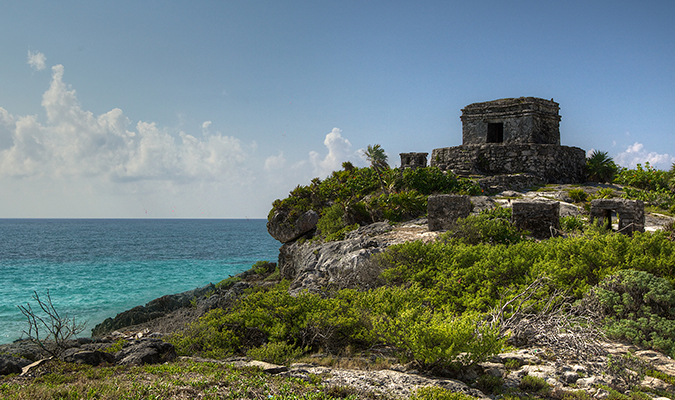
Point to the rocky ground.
(313, 265)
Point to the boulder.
(89, 357)
(345, 263)
(285, 229)
(12, 365)
(146, 351)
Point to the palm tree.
(378, 160)
(600, 167)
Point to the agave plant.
(600, 167)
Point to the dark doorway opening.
(495, 133)
(608, 219)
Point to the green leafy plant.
(276, 352)
(600, 167)
(572, 223)
(531, 383)
(438, 393)
(637, 306)
(577, 195)
(490, 226)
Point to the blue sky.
(145, 109)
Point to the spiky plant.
(600, 167)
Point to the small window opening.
(495, 133)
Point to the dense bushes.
(653, 186)
(365, 195)
(437, 296)
(637, 306)
(276, 326)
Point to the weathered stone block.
(541, 218)
(631, 214)
(444, 209)
(413, 160)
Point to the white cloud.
(339, 151)
(76, 143)
(275, 163)
(36, 60)
(636, 154)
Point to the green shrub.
(572, 223)
(432, 338)
(638, 306)
(438, 393)
(490, 226)
(645, 178)
(489, 383)
(332, 220)
(401, 193)
(531, 383)
(432, 180)
(577, 195)
(276, 352)
(398, 206)
(227, 283)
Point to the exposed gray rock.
(482, 203)
(285, 229)
(311, 266)
(541, 218)
(509, 182)
(154, 309)
(90, 357)
(445, 209)
(11, 364)
(146, 351)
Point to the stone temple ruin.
(511, 136)
(514, 144)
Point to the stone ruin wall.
(553, 163)
(524, 119)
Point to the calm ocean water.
(95, 269)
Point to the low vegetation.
(356, 196)
(437, 305)
(178, 380)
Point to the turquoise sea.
(96, 268)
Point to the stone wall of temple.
(553, 163)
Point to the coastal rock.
(89, 357)
(311, 266)
(146, 351)
(154, 309)
(12, 365)
(285, 229)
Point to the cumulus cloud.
(275, 163)
(339, 151)
(636, 154)
(76, 143)
(37, 60)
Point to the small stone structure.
(522, 120)
(631, 214)
(541, 218)
(413, 160)
(512, 136)
(444, 209)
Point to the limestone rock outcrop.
(286, 229)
